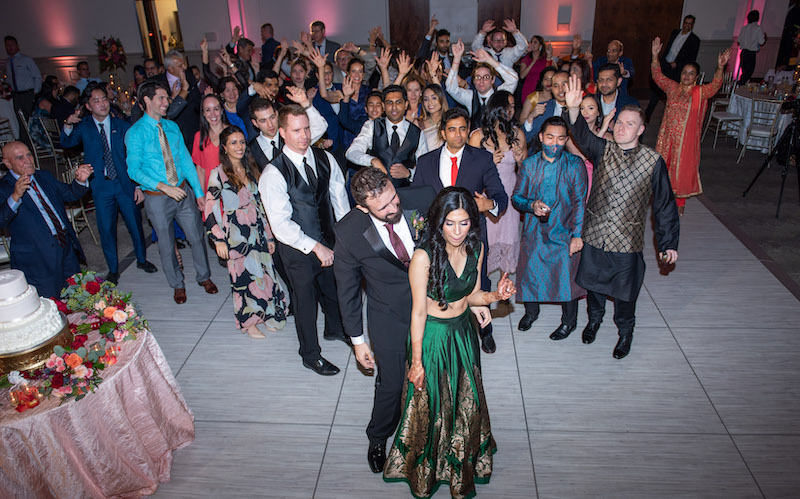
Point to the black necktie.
(312, 179)
(275, 151)
(395, 142)
(111, 170)
(61, 235)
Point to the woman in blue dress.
(444, 436)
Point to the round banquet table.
(115, 442)
(742, 104)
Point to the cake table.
(115, 442)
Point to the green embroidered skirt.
(444, 436)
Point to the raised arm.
(592, 145)
(662, 81)
(708, 90)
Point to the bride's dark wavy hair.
(448, 200)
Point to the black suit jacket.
(361, 254)
(687, 53)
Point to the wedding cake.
(30, 326)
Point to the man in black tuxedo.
(375, 242)
(458, 164)
(682, 47)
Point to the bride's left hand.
(505, 288)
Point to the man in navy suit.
(43, 244)
(610, 86)
(103, 139)
(458, 164)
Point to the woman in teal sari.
(444, 434)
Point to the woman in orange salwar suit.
(679, 136)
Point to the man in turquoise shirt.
(160, 163)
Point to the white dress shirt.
(464, 96)
(751, 37)
(316, 122)
(509, 55)
(357, 152)
(446, 171)
(275, 198)
(677, 45)
(402, 230)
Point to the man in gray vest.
(303, 193)
(626, 175)
(393, 144)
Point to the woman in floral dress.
(239, 229)
(679, 136)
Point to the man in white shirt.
(750, 40)
(497, 41)
(393, 144)
(303, 194)
(23, 75)
(483, 76)
(85, 76)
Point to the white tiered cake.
(26, 320)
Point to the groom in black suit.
(458, 164)
(375, 241)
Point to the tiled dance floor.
(706, 405)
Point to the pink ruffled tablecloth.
(115, 442)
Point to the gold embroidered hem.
(444, 436)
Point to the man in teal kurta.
(551, 194)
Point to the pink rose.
(51, 362)
(100, 305)
(130, 311)
(120, 317)
(119, 335)
(81, 371)
(61, 392)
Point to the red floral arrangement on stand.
(90, 303)
(111, 54)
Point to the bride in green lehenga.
(444, 436)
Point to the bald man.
(43, 244)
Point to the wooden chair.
(54, 139)
(76, 211)
(763, 123)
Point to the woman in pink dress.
(501, 136)
(531, 66)
(205, 148)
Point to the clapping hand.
(82, 172)
(723, 58)
(656, 47)
(21, 187)
(574, 95)
(505, 288)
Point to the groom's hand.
(364, 356)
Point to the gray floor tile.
(628, 465)
(238, 460)
(177, 339)
(750, 375)
(774, 462)
(568, 385)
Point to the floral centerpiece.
(111, 54)
(72, 372)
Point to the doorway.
(159, 26)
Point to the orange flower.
(74, 360)
(108, 312)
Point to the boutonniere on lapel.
(418, 224)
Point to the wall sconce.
(564, 17)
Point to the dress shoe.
(147, 267)
(322, 367)
(527, 321)
(180, 295)
(113, 277)
(337, 336)
(487, 340)
(209, 286)
(623, 346)
(562, 332)
(590, 332)
(376, 456)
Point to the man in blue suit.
(103, 139)
(614, 56)
(610, 87)
(43, 244)
(458, 164)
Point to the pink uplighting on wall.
(57, 25)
